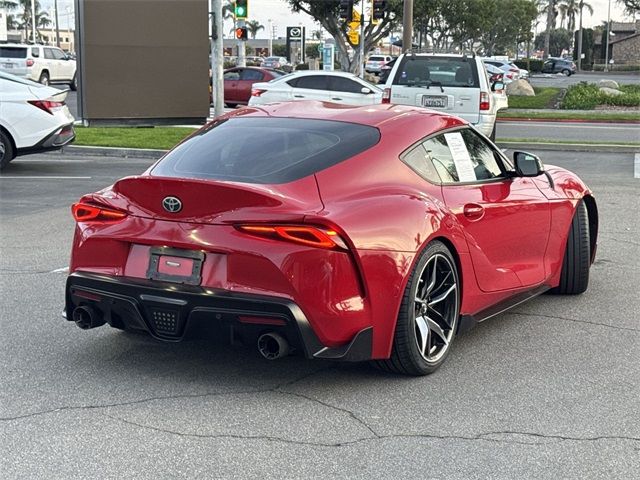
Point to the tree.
(631, 6)
(551, 24)
(572, 9)
(327, 14)
(253, 27)
(24, 20)
(559, 40)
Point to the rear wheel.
(44, 78)
(566, 72)
(574, 277)
(6, 150)
(493, 133)
(74, 83)
(428, 315)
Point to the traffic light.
(241, 33)
(379, 6)
(242, 9)
(346, 10)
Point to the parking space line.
(636, 166)
(40, 177)
(60, 270)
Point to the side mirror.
(366, 90)
(497, 86)
(527, 164)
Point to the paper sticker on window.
(461, 157)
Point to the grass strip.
(566, 142)
(161, 138)
(545, 98)
(567, 115)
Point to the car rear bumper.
(168, 310)
(60, 137)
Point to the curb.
(571, 147)
(565, 120)
(112, 152)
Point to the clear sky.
(280, 13)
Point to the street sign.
(328, 54)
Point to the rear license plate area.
(433, 101)
(175, 265)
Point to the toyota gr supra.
(339, 232)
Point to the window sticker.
(461, 157)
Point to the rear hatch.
(450, 84)
(13, 60)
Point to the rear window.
(417, 71)
(266, 150)
(376, 59)
(13, 52)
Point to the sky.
(282, 16)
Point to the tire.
(44, 79)
(566, 73)
(74, 83)
(433, 294)
(7, 152)
(574, 278)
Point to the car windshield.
(418, 71)
(266, 150)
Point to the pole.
(581, 6)
(606, 52)
(362, 39)
(55, 6)
(270, 38)
(217, 58)
(407, 26)
(33, 21)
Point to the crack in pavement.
(524, 314)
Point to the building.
(46, 36)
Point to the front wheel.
(492, 137)
(428, 316)
(566, 72)
(74, 83)
(574, 278)
(6, 150)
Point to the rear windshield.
(13, 52)
(376, 59)
(266, 150)
(415, 71)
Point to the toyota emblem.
(172, 204)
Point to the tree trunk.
(550, 26)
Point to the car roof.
(304, 73)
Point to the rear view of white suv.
(456, 84)
(39, 63)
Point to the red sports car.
(347, 233)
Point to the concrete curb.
(80, 150)
(565, 120)
(571, 147)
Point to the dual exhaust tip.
(270, 345)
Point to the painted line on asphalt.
(48, 177)
(60, 270)
(636, 166)
(562, 125)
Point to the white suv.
(39, 63)
(456, 84)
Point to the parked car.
(511, 71)
(559, 65)
(40, 63)
(337, 87)
(385, 70)
(344, 233)
(275, 62)
(33, 118)
(498, 84)
(455, 84)
(239, 81)
(376, 62)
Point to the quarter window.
(420, 162)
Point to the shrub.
(535, 65)
(585, 96)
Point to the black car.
(559, 65)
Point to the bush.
(585, 96)
(535, 65)
(599, 67)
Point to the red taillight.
(485, 101)
(83, 212)
(305, 235)
(46, 105)
(256, 92)
(30, 62)
(386, 95)
(510, 75)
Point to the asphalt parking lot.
(548, 390)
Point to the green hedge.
(586, 96)
(535, 65)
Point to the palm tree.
(551, 25)
(253, 27)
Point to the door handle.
(298, 96)
(336, 98)
(473, 211)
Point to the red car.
(238, 82)
(347, 233)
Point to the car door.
(248, 77)
(51, 64)
(345, 90)
(312, 87)
(506, 219)
(64, 66)
(231, 78)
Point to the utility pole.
(217, 58)
(606, 52)
(270, 38)
(407, 26)
(580, 6)
(362, 39)
(55, 7)
(33, 21)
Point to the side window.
(485, 164)
(234, 75)
(341, 84)
(57, 54)
(420, 162)
(35, 52)
(248, 74)
(313, 82)
(293, 82)
(48, 54)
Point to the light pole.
(33, 21)
(407, 26)
(55, 7)
(580, 6)
(270, 38)
(606, 52)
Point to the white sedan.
(33, 118)
(336, 87)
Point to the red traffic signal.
(241, 33)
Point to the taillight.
(510, 75)
(30, 62)
(386, 95)
(256, 92)
(302, 234)
(83, 212)
(46, 105)
(485, 101)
